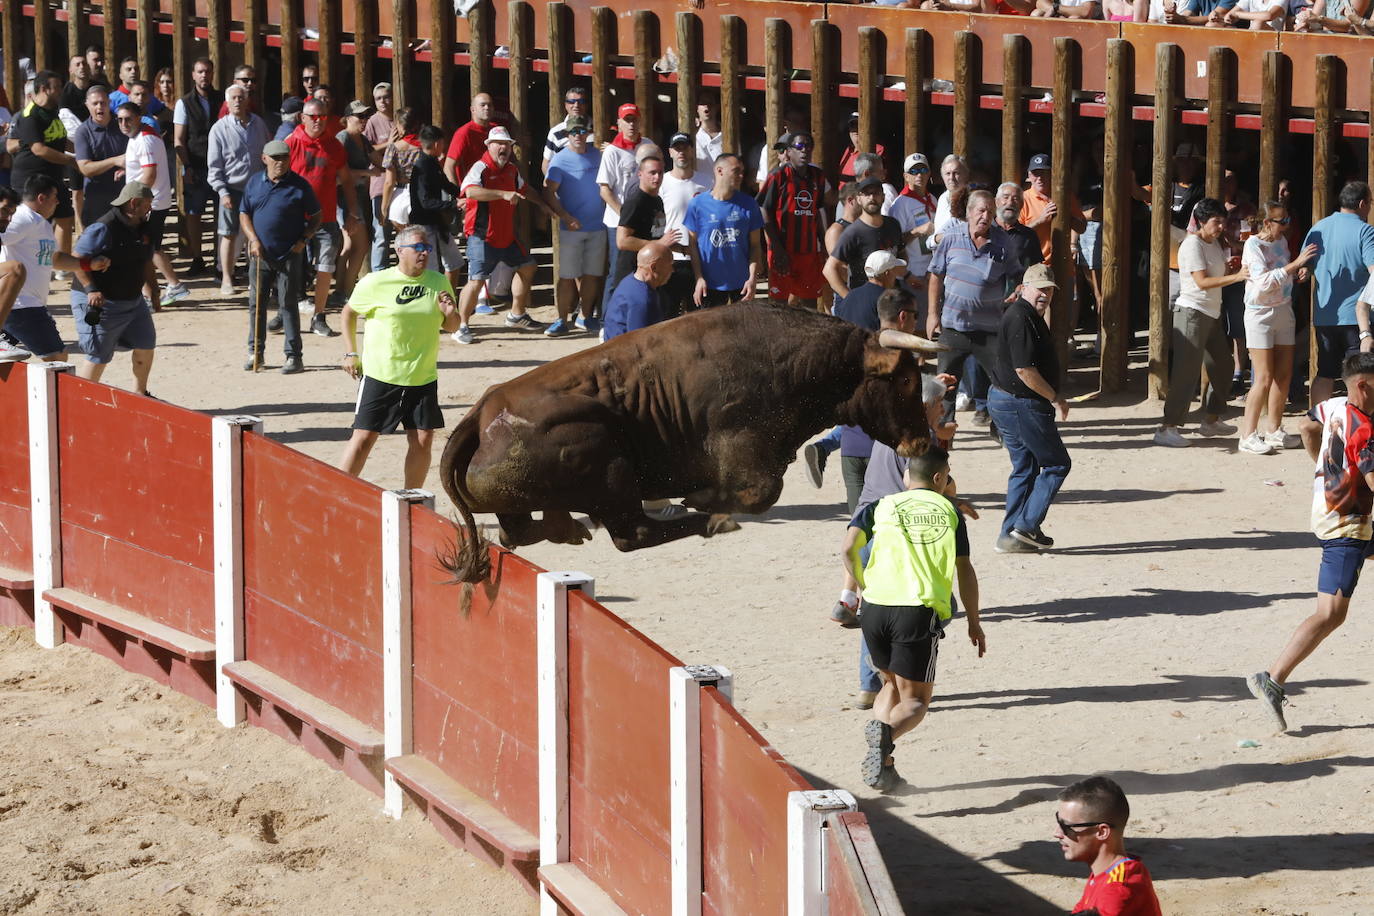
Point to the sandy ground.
(1121, 652)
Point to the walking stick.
(259, 313)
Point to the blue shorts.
(483, 258)
(1342, 559)
(35, 329)
(125, 324)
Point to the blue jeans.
(975, 384)
(379, 236)
(1039, 461)
(612, 277)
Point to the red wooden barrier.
(894, 23)
(852, 858)
(1092, 37)
(618, 758)
(1196, 44)
(16, 532)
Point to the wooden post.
(646, 80)
(603, 46)
(917, 68)
(1115, 308)
(217, 37)
(480, 47)
(688, 70)
(291, 49)
(560, 58)
(331, 35)
(1167, 72)
(872, 58)
(1014, 60)
(403, 88)
(76, 30)
(42, 42)
(967, 55)
(1066, 79)
(365, 49)
(521, 42)
(255, 41)
(732, 62)
(1274, 117)
(9, 38)
(441, 41)
(1330, 76)
(776, 68)
(113, 11)
(1221, 96)
(825, 62)
(146, 35)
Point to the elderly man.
(572, 193)
(793, 201)
(378, 133)
(914, 211)
(108, 305)
(1038, 211)
(1024, 244)
(617, 175)
(42, 141)
(406, 307)
(233, 155)
(279, 214)
(145, 161)
(99, 147)
(192, 118)
(319, 158)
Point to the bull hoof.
(720, 524)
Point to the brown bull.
(711, 407)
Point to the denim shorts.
(1342, 559)
(228, 221)
(483, 258)
(36, 330)
(125, 324)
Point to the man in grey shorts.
(572, 192)
(233, 156)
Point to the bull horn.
(901, 340)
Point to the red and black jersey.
(493, 221)
(793, 200)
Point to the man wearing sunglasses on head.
(1092, 820)
(794, 200)
(406, 307)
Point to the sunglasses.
(578, 133)
(1071, 830)
(419, 247)
(918, 170)
(803, 146)
(1282, 222)
(576, 100)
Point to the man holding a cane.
(406, 308)
(279, 215)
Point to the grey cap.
(132, 191)
(275, 148)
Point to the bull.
(710, 407)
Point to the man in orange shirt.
(1038, 211)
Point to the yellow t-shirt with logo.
(915, 536)
(401, 340)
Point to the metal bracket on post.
(684, 723)
(227, 485)
(397, 652)
(806, 813)
(552, 626)
(45, 498)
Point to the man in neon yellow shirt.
(919, 546)
(406, 307)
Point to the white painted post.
(227, 487)
(684, 720)
(397, 662)
(806, 813)
(45, 498)
(553, 718)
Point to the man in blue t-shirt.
(726, 237)
(1345, 260)
(572, 192)
(634, 304)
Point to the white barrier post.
(227, 487)
(397, 661)
(553, 718)
(806, 813)
(45, 499)
(684, 716)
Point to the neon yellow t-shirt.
(916, 536)
(401, 343)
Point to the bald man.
(634, 304)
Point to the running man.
(920, 545)
(1337, 434)
(1092, 820)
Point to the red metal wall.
(137, 509)
(312, 576)
(16, 532)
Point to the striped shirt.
(975, 279)
(792, 200)
(557, 139)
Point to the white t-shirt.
(1261, 6)
(30, 241)
(709, 146)
(145, 149)
(620, 172)
(910, 212)
(676, 194)
(1195, 254)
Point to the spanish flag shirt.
(1125, 889)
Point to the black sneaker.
(1037, 539)
(981, 418)
(274, 323)
(815, 458)
(888, 779)
(292, 366)
(1008, 543)
(321, 327)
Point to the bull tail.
(468, 561)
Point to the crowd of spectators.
(1343, 16)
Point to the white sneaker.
(1255, 444)
(1170, 437)
(176, 293)
(12, 353)
(1279, 440)
(963, 402)
(1215, 429)
(463, 335)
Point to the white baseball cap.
(499, 135)
(880, 262)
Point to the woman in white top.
(1269, 328)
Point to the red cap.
(628, 110)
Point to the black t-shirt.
(1183, 199)
(643, 215)
(74, 98)
(1023, 250)
(861, 306)
(859, 240)
(1024, 342)
(37, 125)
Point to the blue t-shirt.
(633, 305)
(1345, 249)
(279, 211)
(722, 228)
(578, 191)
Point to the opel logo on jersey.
(802, 203)
(410, 293)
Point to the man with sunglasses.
(246, 77)
(572, 192)
(1091, 824)
(406, 308)
(914, 211)
(576, 105)
(794, 199)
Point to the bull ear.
(901, 340)
(881, 361)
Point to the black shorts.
(383, 406)
(64, 202)
(156, 226)
(902, 640)
(1334, 343)
(715, 297)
